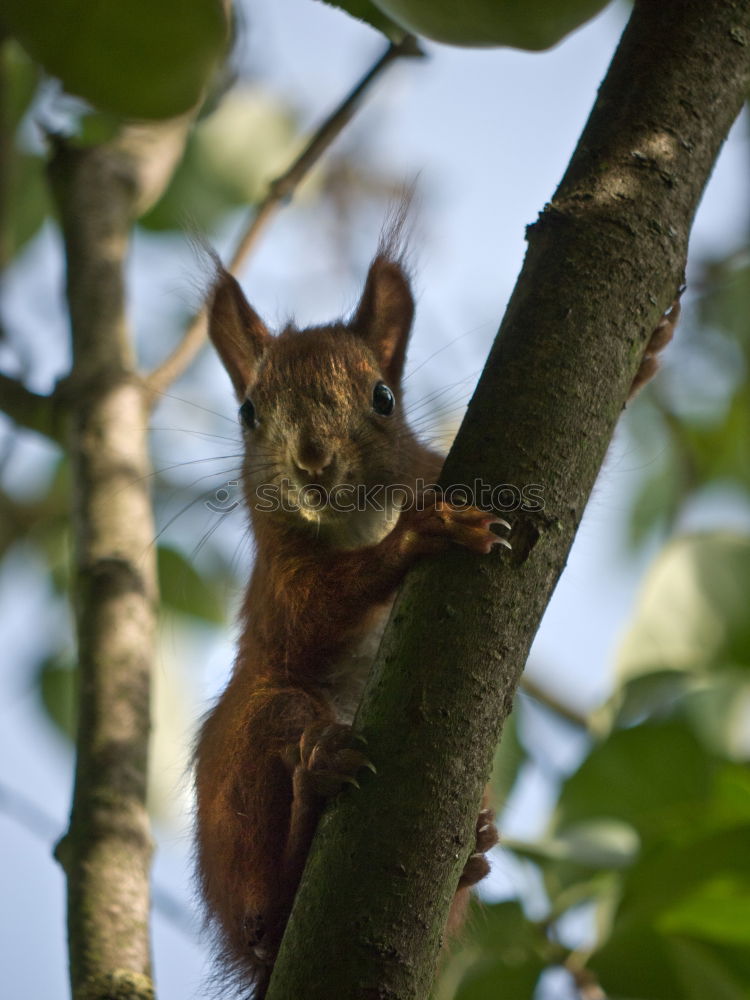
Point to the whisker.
(439, 351)
(206, 435)
(206, 409)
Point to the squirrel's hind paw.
(477, 865)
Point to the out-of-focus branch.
(549, 701)
(279, 192)
(28, 409)
(106, 852)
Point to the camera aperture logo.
(347, 498)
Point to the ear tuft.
(237, 332)
(384, 315)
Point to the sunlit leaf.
(692, 612)
(229, 160)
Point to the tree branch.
(28, 409)
(604, 261)
(107, 850)
(279, 192)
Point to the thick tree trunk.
(604, 261)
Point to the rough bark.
(604, 261)
(107, 849)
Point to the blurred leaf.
(667, 874)
(723, 451)
(718, 909)
(654, 777)
(678, 905)
(58, 683)
(692, 612)
(656, 502)
(598, 843)
(637, 962)
(20, 77)
(96, 128)
(230, 157)
(29, 202)
(647, 696)
(509, 757)
(719, 711)
(726, 303)
(503, 955)
(184, 589)
(143, 59)
(524, 24)
(703, 974)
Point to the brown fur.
(278, 743)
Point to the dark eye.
(247, 415)
(383, 399)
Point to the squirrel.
(322, 420)
(321, 413)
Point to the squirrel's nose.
(313, 460)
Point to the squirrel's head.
(321, 408)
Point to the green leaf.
(593, 844)
(57, 681)
(503, 956)
(703, 974)
(683, 923)
(636, 963)
(20, 77)
(231, 156)
(654, 777)
(718, 910)
(692, 613)
(29, 201)
(141, 59)
(509, 757)
(184, 589)
(666, 875)
(523, 24)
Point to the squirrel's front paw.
(477, 865)
(428, 528)
(330, 757)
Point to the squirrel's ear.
(384, 315)
(237, 332)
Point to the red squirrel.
(321, 410)
(322, 414)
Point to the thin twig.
(279, 192)
(549, 701)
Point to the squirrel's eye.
(383, 400)
(247, 415)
